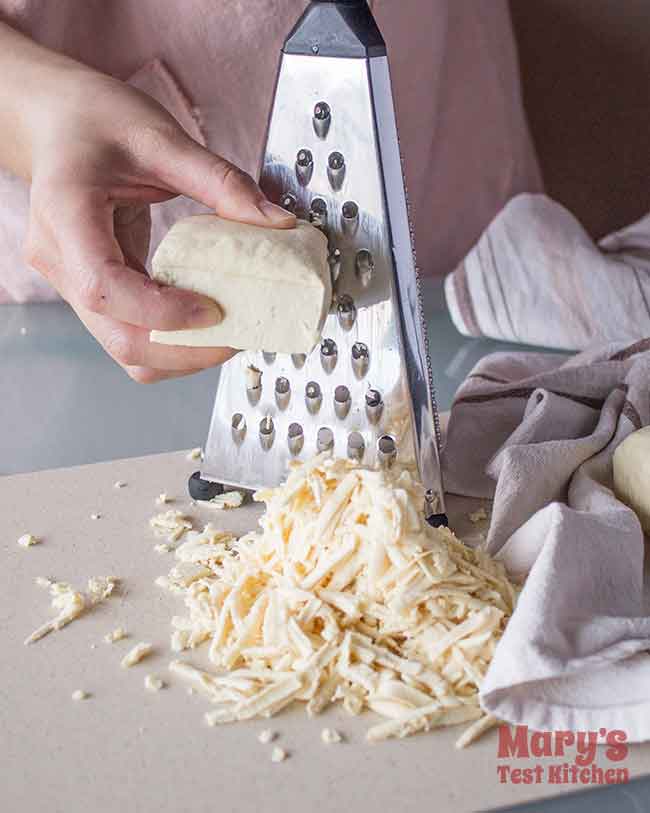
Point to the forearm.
(32, 79)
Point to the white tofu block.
(273, 285)
(632, 474)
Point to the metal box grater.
(332, 156)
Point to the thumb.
(188, 168)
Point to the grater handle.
(336, 28)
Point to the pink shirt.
(213, 65)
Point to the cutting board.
(128, 749)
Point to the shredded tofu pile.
(70, 603)
(345, 594)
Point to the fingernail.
(207, 315)
(275, 214)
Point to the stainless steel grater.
(332, 156)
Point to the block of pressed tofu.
(631, 466)
(273, 285)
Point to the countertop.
(63, 402)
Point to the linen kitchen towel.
(536, 277)
(542, 431)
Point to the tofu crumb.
(119, 484)
(79, 694)
(163, 548)
(266, 736)
(27, 540)
(41, 581)
(231, 499)
(138, 653)
(195, 454)
(278, 754)
(69, 604)
(330, 736)
(164, 498)
(191, 690)
(93, 646)
(478, 516)
(95, 516)
(116, 635)
(23, 331)
(153, 683)
(170, 524)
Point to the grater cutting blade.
(332, 156)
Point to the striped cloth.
(536, 433)
(536, 277)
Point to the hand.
(101, 153)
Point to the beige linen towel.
(537, 433)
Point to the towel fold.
(535, 276)
(542, 431)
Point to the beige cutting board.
(127, 749)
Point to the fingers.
(130, 347)
(147, 375)
(90, 271)
(189, 168)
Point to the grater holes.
(342, 401)
(329, 354)
(304, 166)
(356, 446)
(360, 359)
(318, 213)
(322, 111)
(254, 394)
(334, 260)
(350, 216)
(336, 170)
(253, 378)
(347, 312)
(364, 266)
(238, 427)
(295, 438)
(431, 502)
(269, 358)
(298, 360)
(289, 202)
(374, 406)
(386, 450)
(267, 432)
(325, 439)
(322, 118)
(282, 392)
(313, 397)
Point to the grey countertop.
(63, 402)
